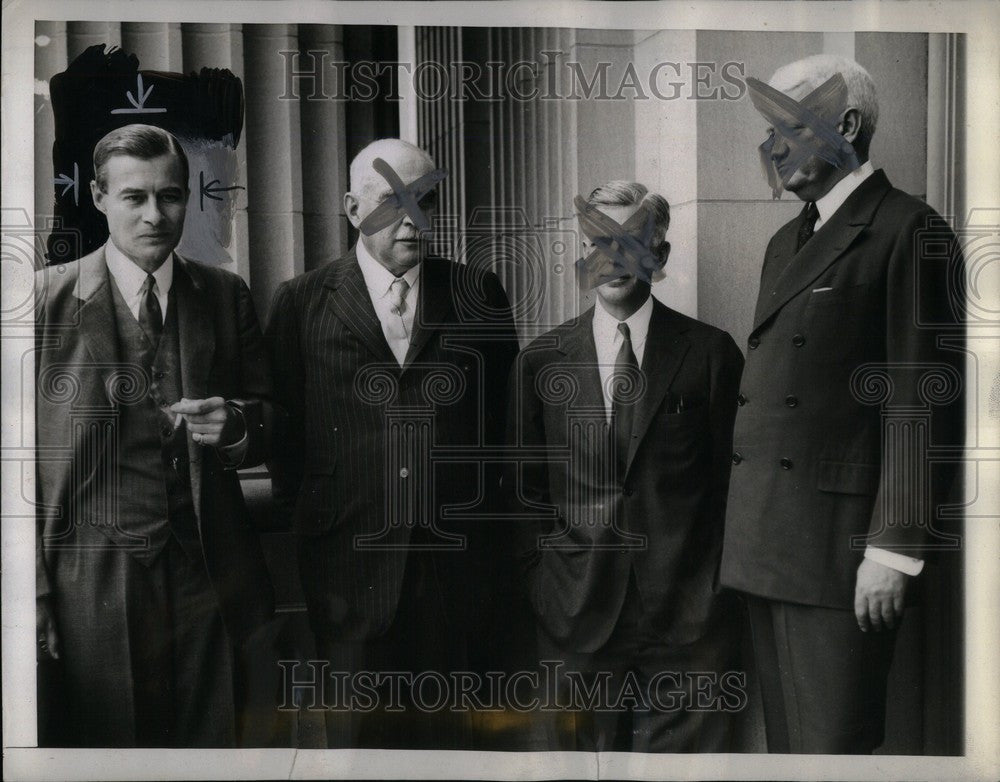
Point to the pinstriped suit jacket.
(371, 451)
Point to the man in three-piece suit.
(391, 366)
(152, 388)
(829, 509)
(629, 410)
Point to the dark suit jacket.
(80, 376)
(583, 544)
(873, 289)
(354, 466)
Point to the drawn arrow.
(210, 190)
(67, 182)
(138, 106)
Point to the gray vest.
(154, 489)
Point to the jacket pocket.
(316, 505)
(847, 477)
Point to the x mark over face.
(411, 200)
(620, 250)
(801, 130)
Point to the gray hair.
(811, 72)
(620, 192)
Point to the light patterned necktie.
(397, 295)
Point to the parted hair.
(620, 192)
(144, 142)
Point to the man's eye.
(170, 198)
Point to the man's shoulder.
(712, 337)
(553, 342)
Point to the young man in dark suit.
(152, 387)
(625, 418)
(857, 338)
(391, 365)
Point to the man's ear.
(98, 197)
(351, 206)
(664, 253)
(850, 124)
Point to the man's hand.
(45, 630)
(878, 596)
(211, 421)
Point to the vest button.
(741, 400)
(159, 374)
(786, 463)
(798, 340)
(404, 473)
(737, 457)
(166, 431)
(753, 342)
(791, 400)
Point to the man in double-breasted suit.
(854, 369)
(624, 416)
(391, 365)
(152, 388)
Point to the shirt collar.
(606, 324)
(377, 277)
(832, 201)
(130, 277)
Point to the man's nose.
(151, 212)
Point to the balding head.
(397, 246)
(399, 154)
(799, 78)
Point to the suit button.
(791, 401)
(404, 472)
(166, 431)
(786, 463)
(737, 457)
(798, 340)
(753, 342)
(627, 491)
(741, 400)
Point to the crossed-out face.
(145, 204)
(396, 246)
(807, 143)
(628, 286)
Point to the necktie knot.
(623, 329)
(148, 285)
(808, 227)
(397, 295)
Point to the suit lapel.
(665, 349)
(195, 329)
(97, 317)
(825, 247)
(581, 356)
(435, 300)
(352, 303)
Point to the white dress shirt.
(832, 201)
(608, 341)
(827, 206)
(130, 278)
(397, 327)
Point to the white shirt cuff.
(904, 564)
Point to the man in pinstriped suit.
(381, 356)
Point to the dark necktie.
(809, 217)
(150, 314)
(622, 404)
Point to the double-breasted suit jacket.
(854, 364)
(662, 518)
